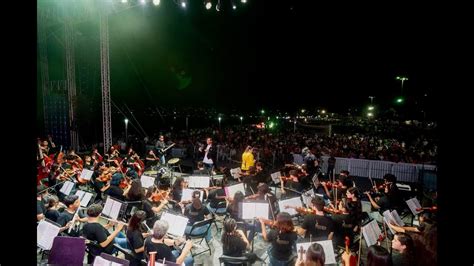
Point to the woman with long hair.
(315, 256)
(234, 241)
(136, 234)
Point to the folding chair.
(228, 260)
(220, 211)
(67, 251)
(132, 206)
(115, 259)
(202, 236)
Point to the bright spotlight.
(208, 5)
(183, 4)
(243, 1)
(124, 1)
(234, 7)
(156, 2)
(142, 2)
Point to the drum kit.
(163, 171)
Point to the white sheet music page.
(248, 210)
(397, 218)
(327, 247)
(147, 181)
(188, 194)
(307, 196)
(45, 234)
(80, 194)
(199, 181)
(67, 187)
(370, 233)
(86, 174)
(261, 210)
(293, 202)
(231, 190)
(84, 197)
(108, 207)
(413, 204)
(276, 177)
(114, 212)
(177, 223)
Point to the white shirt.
(207, 160)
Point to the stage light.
(142, 2)
(234, 7)
(124, 1)
(208, 5)
(183, 4)
(156, 2)
(218, 6)
(243, 1)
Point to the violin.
(268, 222)
(353, 258)
(161, 195)
(334, 211)
(330, 185)
(430, 209)
(302, 210)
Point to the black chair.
(228, 260)
(202, 236)
(115, 259)
(129, 255)
(132, 206)
(221, 205)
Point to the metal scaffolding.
(71, 82)
(104, 60)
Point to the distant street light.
(126, 129)
(371, 99)
(402, 79)
(241, 118)
(219, 118)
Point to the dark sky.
(330, 57)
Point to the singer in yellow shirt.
(247, 159)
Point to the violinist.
(282, 238)
(292, 183)
(390, 198)
(152, 206)
(113, 157)
(95, 231)
(216, 197)
(197, 212)
(264, 193)
(200, 169)
(136, 234)
(317, 225)
(350, 216)
(136, 191)
(89, 164)
(151, 159)
(235, 242)
(40, 206)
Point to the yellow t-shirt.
(247, 161)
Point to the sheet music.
(293, 202)
(112, 208)
(397, 218)
(389, 219)
(235, 172)
(413, 204)
(327, 247)
(100, 261)
(366, 206)
(86, 174)
(147, 181)
(371, 232)
(67, 187)
(85, 197)
(188, 194)
(307, 197)
(177, 223)
(198, 181)
(251, 210)
(231, 190)
(45, 234)
(276, 177)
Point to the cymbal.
(173, 161)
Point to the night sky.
(321, 57)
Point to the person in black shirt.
(158, 243)
(136, 234)
(402, 250)
(317, 225)
(150, 208)
(52, 212)
(292, 185)
(72, 203)
(40, 207)
(95, 231)
(196, 212)
(234, 242)
(136, 191)
(151, 160)
(283, 240)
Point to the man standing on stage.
(160, 146)
(210, 155)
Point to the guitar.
(162, 151)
